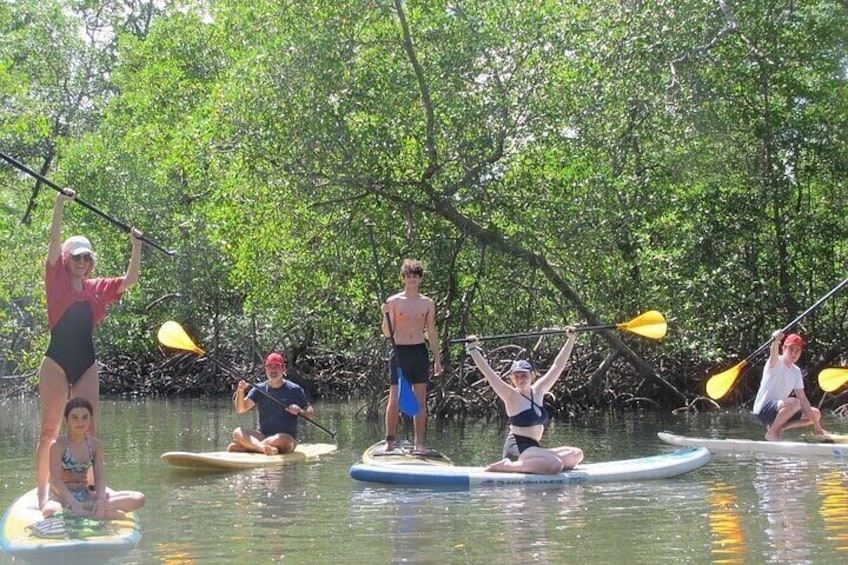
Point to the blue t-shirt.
(273, 418)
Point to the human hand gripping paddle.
(651, 324)
(116, 222)
(720, 384)
(831, 380)
(406, 396)
(172, 335)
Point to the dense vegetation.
(550, 162)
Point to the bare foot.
(772, 437)
(234, 447)
(499, 466)
(270, 450)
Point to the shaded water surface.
(738, 509)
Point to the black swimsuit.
(536, 415)
(71, 341)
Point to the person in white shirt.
(781, 403)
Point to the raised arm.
(241, 403)
(774, 348)
(502, 389)
(547, 380)
(54, 250)
(131, 276)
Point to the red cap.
(793, 339)
(274, 359)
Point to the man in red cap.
(279, 401)
(781, 403)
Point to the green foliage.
(548, 161)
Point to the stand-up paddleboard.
(829, 438)
(786, 448)
(232, 460)
(111, 538)
(402, 454)
(644, 468)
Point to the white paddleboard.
(644, 468)
(787, 448)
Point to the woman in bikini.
(75, 305)
(522, 452)
(71, 458)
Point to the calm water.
(735, 510)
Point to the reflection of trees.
(833, 489)
(728, 539)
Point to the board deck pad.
(402, 454)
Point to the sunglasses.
(82, 257)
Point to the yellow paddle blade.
(651, 324)
(172, 335)
(719, 385)
(832, 379)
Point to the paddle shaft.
(534, 334)
(800, 317)
(116, 222)
(231, 372)
(381, 290)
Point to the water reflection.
(728, 539)
(520, 525)
(313, 513)
(784, 487)
(833, 489)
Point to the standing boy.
(412, 315)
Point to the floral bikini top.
(74, 467)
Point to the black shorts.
(414, 361)
(516, 445)
(769, 412)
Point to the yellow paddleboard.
(227, 460)
(829, 438)
(402, 454)
(18, 540)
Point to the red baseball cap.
(274, 359)
(793, 339)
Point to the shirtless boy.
(412, 315)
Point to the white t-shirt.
(777, 383)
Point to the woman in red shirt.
(75, 305)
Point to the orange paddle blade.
(651, 324)
(832, 379)
(172, 335)
(719, 385)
